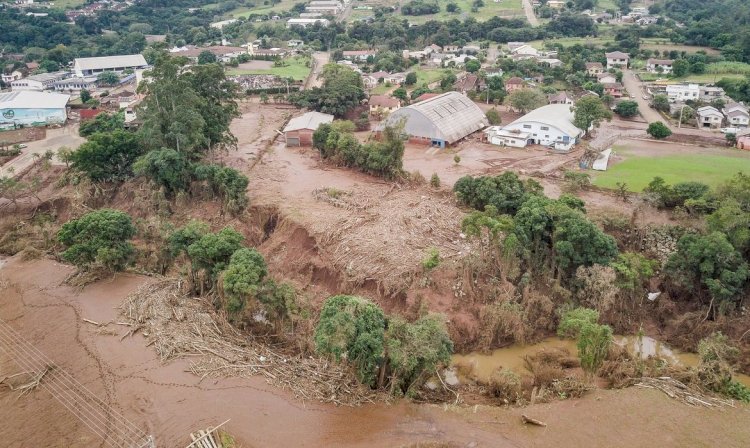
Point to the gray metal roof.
(105, 62)
(310, 120)
(449, 117)
(557, 115)
(25, 99)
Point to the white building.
(118, 64)
(10, 77)
(306, 22)
(550, 125)
(42, 81)
(709, 117)
(496, 135)
(32, 109)
(737, 115)
(75, 84)
(617, 59)
(659, 66)
(222, 24)
(679, 93)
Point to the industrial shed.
(439, 121)
(299, 131)
(27, 108)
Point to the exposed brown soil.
(169, 403)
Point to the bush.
(593, 346)
(435, 181)
(505, 192)
(573, 320)
(627, 108)
(493, 116)
(167, 168)
(505, 385)
(658, 130)
(432, 260)
(107, 157)
(101, 237)
(212, 251)
(576, 181)
(227, 183)
(243, 277)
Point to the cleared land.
(502, 8)
(263, 8)
(297, 68)
(640, 162)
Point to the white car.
(729, 130)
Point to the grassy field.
(637, 171)
(661, 44)
(503, 8)
(297, 70)
(260, 8)
(68, 4)
(427, 76)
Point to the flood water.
(512, 357)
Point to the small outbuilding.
(439, 121)
(299, 130)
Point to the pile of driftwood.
(364, 240)
(180, 326)
(25, 382)
(680, 391)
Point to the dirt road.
(56, 139)
(319, 60)
(634, 88)
(168, 402)
(528, 9)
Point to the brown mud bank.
(168, 402)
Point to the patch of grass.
(68, 4)
(383, 88)
(296, 69)
(260, 8)
(428, 75)
(708, 77)
(637, 171)
(503, 8)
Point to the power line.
(94, 413)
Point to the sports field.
(637, 171)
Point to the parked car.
(729, 130)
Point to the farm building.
(26, 108)
(550, 125)
(439, 121)
(299, 130)
(92, 66)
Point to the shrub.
(505, 385)
(658, 130)
(167, 168)
(227, 183)
(593, 345)
(212, 251)
(573, 320)
(432, 260)
(576, 181)
(435, 181)
(627, 108)
(101, 237)
(243, 277)
(505, 192)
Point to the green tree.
(493, 116)
(108, 78)
(227, 183)
(180, 239)
(473, 66)
(447, 80)
(658, 130)
(243, 278)
(353, 329)
(589, 111)
(660, 102)
(167, 168)
(708, 263)
(572, 321)
(213, 251)
(107, 157)
(524, 100)
(206, 57)
(98, 238)
(411, 79)
(264, 97)
(733, 221)
(416, 350)
(593, 346)
(627, 108)
(505, 192)
(400, 93)
(85, 96)
(104, 122)
(342, 91)
(680, 67)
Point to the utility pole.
(679, 122)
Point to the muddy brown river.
(168, 402)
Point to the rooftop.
(310, 120)
(617, 55)
(557, 115)
(33, 100)
(384, 101)
(104, 62)
(653, 61)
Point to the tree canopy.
(101, 237)
(107, 156)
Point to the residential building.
(659, 66)
(594, 68)
(222, 53)
(305, 22)
(710, 93)
(514, 83)
(439, 121)
(560, 98)
(29, 108)
(299, 130)
(75, 84)
(118, 64)
(551, 62)
(359, 55)
(679, 93)
(10, 77)
(709, 117)
(42, 81)
(524, 52)
(617, 59)
(492, 72)
(383, 104)
(496, 135)
(550, 125)
(614, 89)
(737, 115)
(468, 83)
(295, 43)
(450, 49)
(743, 142)
(605, 77)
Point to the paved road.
(56, 139)
(529, 10)
(634, 88)
(320, 59)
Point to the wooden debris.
(532, 421)
(29, 386)
(92, 322)
(679, 391)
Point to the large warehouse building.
(26, 108)
(93, 66)
(439, 121)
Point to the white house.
(617, 59)
(709, 117)
(496, 135)
(679, 93)
(550, 125)
(737, 115)
(222, 24)
(10, 77)
(306, 22)
(118, 64)
(659, 65)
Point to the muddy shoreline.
(169, 403)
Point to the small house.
(659, 66)
(594, 68)
(737, 115)
(383, 104)
(560, 98)
(299, 130)
(514, 83)
(709, 117)
(617, 59)
(614, 89)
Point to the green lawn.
(637, 172)
(503, 8)
(297, 70)
(709, 77)
(261, 8)
(428, 76)
(68, 4)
